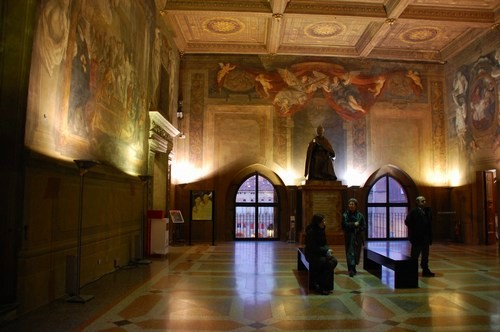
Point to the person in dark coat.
(353, 224)
(419, 223)
(321, 260)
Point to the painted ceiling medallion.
(419, 35)
(324, 30)
(223, 25)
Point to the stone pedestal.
(327, 198)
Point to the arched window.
(387, 206)
(256, 209)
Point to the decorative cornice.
(218, 5)
(331, 51)
(337, 9)
(201, 47)
(406, 55)
(403, 55)
(158, 121)
(449, 14)
(157, 143)
(158, 132)
(161, 133)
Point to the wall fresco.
(350, 93)
(438, 130)
(475, 116)
(320, 92)
(196, 119)
(89, 89)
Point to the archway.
(256, 198)
(387, 203)
(256, 209)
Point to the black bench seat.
(405, 268)
(303, 265)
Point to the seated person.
(319, 255)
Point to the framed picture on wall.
(176, 216)
(202, 204)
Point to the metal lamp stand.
(83, 166)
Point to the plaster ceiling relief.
(422, 37)
(221, 28)
(315, 33)
(324, 30)
(223, 25)
(412, 30)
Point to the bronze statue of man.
(319, 159)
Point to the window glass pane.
(378, 193)
(246, 192)
(267, 226)
(385, 220)
(396, 192)
(245, 222)
(256, 210)
(397, 222)
(266, 192)
(377, 226)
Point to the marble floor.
(255, 286)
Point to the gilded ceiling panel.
(223, 28)
(412, 30)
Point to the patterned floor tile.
(255, 286)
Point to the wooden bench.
(303, 265)
(405, 268)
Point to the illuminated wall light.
(290, 177)
(352, 178)
(132, 153)
(435, 178)
(185, 172)
(454, 178)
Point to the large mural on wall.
(350, 93)
(476, 119)
(90, 79)
(323, 92)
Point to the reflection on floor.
(248, 286)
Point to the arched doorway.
(387, 204)
(256, 209)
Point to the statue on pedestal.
(319, 159)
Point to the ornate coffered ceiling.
(404, 30)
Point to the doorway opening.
(387, 206)
(256, 209)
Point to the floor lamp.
(83, 166)
(145, 179)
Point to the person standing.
(419, 223)
(319, 158)
(319, 255)
(353, 225)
